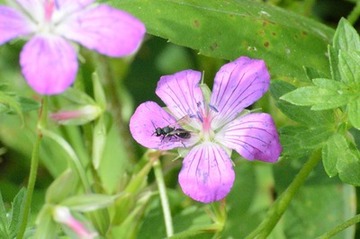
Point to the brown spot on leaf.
(196, 23)
(214, 46)
(261, 32)
(266, 44)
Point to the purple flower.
(49, 60)
(217, 124)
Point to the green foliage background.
(291, 36)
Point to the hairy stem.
(354, 14)
(33, 169)
(116, 105)
(341, 227)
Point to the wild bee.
(170, 132)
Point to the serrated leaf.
(17, 211)
(12, 103)
(334, 149)
(28, 104)
(349, 168)
(353, 109)
(349, 68)
(312, 73)
(298, 141)
(346, 37)
(334, 63)
(300, 114)
(326, 94)
(229, 29)
(339, 158)
(4, 232)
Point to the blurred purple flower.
(217, 125)
(48, 60)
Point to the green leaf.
(28, 104)
(249, 198)
(88, 202)
(326, 94)
(46, 227)
(129, 226)
(354, 113)
(4, 232)
(339, 158)
(299, 114)
(334, 149)
(99, 141)
(12, 103)
(319, 205)
(298, 141)
(312, 73)
(17, 211)
(319, 208)
(77, 96)
(349, 168)
(334, 63)
(349, 68)
(346, 37)
(99, 93)
(63, 187)
(229, 29)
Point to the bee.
(170, 132)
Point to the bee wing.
(183, 121)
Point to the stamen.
(213, 108)
(199, 116)
(57, 6)
(192, 116)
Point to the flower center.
(45, 19)
(204, 116)
(208, 133)
(49, 7)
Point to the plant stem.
(354, 14)
(116, 105)
(33, 170)
(341, 227)
(163, 197)
(281, 204)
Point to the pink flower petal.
(105, 29)
(253, 136)
(237, 85)
(181, 93)
(72, 5)
(49, 64)
(29, 5)
(13, 24)
(147, 117)
(207, 174)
